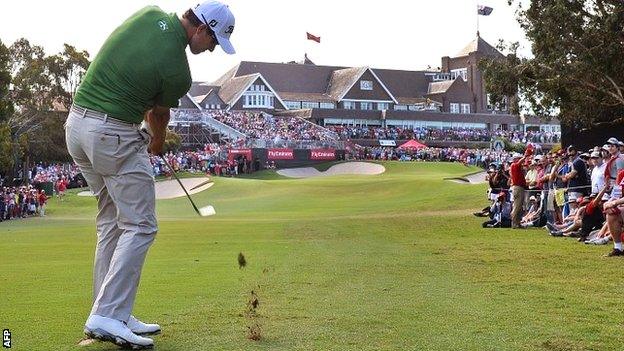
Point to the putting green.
(393, 261)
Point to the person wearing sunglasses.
(120, 113)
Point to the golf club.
(204, 211)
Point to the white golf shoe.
(141, 328)
(115, 331)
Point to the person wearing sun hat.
(120, 114)
(597, 172)
(615, 162)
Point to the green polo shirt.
(142, 64)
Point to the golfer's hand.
(608, 204)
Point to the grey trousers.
(518, 205)
(113, 159)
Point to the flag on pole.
(484, 10)
(313, 38)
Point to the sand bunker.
(365, 168)
(476, 178)
(170, 189)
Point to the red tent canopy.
(412, 144)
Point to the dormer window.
(366, 85)
(461, 72)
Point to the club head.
(207, 211)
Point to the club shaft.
(179, 182)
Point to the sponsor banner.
(233, 153)
(322, 154)
(281, 154)
(387, 142)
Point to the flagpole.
(477, 16)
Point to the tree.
(6, 105)
(43, 86)
(6, 110)
(577, 72)
(6, 150)
(172, 141)
(66, 70)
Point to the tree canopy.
(576, 73)
(36, 90)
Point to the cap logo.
(230, 30)
(163, 25)
(213, 23)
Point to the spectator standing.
(518, 187)
(577, 176)
(43, 200)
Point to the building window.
(309, 104)
(461, 72)
(257, 87)
(292, 105)
(465, 108)
(261, 100)
(382, 106)
(454, 107)
(400, 107)
(366, 85)
(366, 105)
(327, 105)
(348, 105)
(441, 76)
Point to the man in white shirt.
(598, 171)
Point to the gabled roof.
(480, 46)
(199, 88)
(404, 84)
(314, 97)
(440, 87)
(214, 92)
(301, 82)
(187, 102)
(232, 90)
(294, 78)
(342, 80)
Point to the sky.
(393, 34)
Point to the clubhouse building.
(452, 96)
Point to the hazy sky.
(396, 34)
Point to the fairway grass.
(387, 262)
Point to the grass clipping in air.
(254, 325)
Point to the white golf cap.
(218, 17)
(613, 141)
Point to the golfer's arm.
(158, 118)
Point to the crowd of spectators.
(571, 193)
(474, 157)
(442, 134)
(212, 160)
(266, 127)
(61, 175)
(21, 202)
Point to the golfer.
(140, 73)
